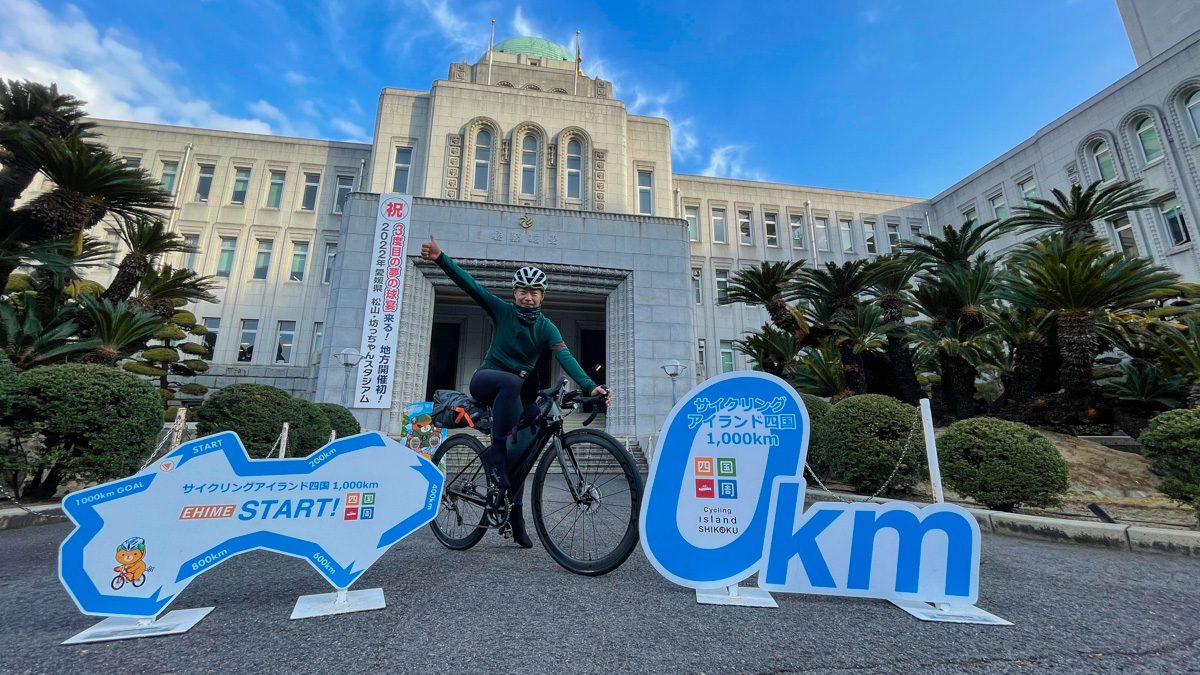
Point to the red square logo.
(352, 513)
(352, 499)
(705, 488)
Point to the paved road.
(501, 609)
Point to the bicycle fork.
(570, 469)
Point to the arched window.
(483, 159)
(532, 87)
(1102, 156)
(574, 169)
(502, 83)
(1193, 109)
(559, 90)
(1148, 138)
(529, 154)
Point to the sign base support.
(341, 602)
(948, 613)
(744, 596)
(130, 627)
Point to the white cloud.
(352, 131)
(729, 161)
(684, 141)
(117, 79)
(293, 78)
(522, 26)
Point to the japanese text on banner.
(377, 369)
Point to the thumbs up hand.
(430, 249)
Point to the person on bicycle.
(520, 334)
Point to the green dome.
(533, 46)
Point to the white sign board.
(385, 289)
(725, 499)
(138, 542)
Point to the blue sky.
(894, 96)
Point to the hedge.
(1172, 442)
(256, 412)
(341, 419)
(1002, 465)
(860, 440)
(817, 407)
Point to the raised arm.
(483, 297)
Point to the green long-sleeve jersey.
(515, 347)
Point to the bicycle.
(586, 483)
(118, 581)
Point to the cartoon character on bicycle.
(131, 554)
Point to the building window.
(170, 170)
(1172, 215)
(970, 217)
(225, 259)
(846, 236)
(645, 180)
(718, 226)
(193, 244)
(299, 260)
(771, 225)
(330, 257)
(726, 356)
(893, 236)
(132, 162)
(692, 215)
(1148, 138)
(697, 296)
(317, 342)
(403, 167)
(529, 156)
(483, 159)
(917, 230)
(701, 359)
(821, 232)
(284, 341)
(999, 207)
(1193, 110)
(797, 222)
(275, 189)
(241, 184)
(1123, 236)
(113, 240)
(213, 326)
(1104, 161)
(869, 236)
(1029, 191)
(745, 235)
(722, 285)
(345, 184)
(262, 261)
(246, 343)
(312, 185)
(574, 169)
(204, 182)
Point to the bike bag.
(455, 410)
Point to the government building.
(513, 160)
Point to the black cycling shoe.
(516, 528)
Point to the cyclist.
(520, 333)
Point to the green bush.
(183, 319)
(96, 423)
(257, 413)
(341, 419)
(161, 354)
(194, 348)
(8, 386)
(193, 389)
(189, 416)
(860, 440)
(169, 332)
(1172, 442)
(196, 365)
(817, 407)
(1002, 465)
(143, 369)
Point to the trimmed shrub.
(196, 365)
(256, 412)
(18, 283)
(817, 407)
(194, 348)
(96, 423)
(1172, 442)
(1002, 465)
(860, 440)
(169, 332)
(198, 329)
(189, 416)
(141, 368)
(341, 419)
(8, 387)
(161, 354)
(184, 319)
(193, 389)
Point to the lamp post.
(673, 369)
(348, 357)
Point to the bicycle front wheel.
(586, 504)
(459, 523)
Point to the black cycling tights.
(510, 398)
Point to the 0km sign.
(725, 499)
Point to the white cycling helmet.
(132, 544)
(530, 277)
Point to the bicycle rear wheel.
(587, 515)
(459, 523)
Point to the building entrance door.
(591, 354)
(443, 358)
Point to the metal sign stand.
(341, 602)
(941, 611)
(129, 627)
(743, 596)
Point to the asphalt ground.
(501, 609)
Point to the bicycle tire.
(450, 502)
(632, 479)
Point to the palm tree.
(858, 332)
(820, 372)
(763, 285)
(957, 245)
(1180, 347)
(839, 289)
(147, 239)
(1077, 277)
(1027, 332)
(772, 351)
(28, 342)
(160, 288)
(28, 109)
(891, 287)
(117, 327)
(1075, 213)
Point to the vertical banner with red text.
(385, 283)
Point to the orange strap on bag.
(461, 414)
